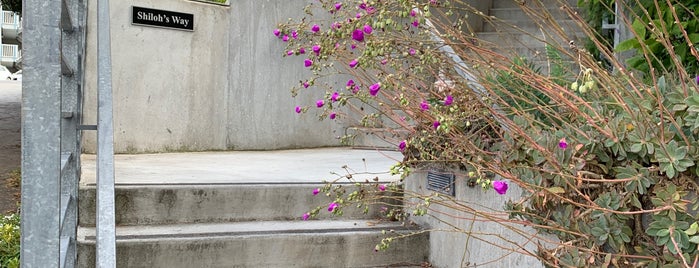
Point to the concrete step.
(384, 138)
(532, 3)
(529, 26)
(518, 14)
(495, 40)
(260, 244)
(214, 203)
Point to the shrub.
(9, 240)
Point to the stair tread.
(250, 228)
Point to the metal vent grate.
(441, 182)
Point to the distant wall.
(222, 86)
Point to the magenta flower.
(338, 6)
(316, 191)
(402, 145)
(411, 52)
(298, 109)
(382, 187)
(316, 49)
(370, 10)
(424, 105)
(416, 23)
(307, 63)
(384, 61)
(315, 28)
(335, 97)
(290, 52)
(336, 25)
(320, 103)
(413, 13)
(448, 100)
(436, 124)
(353, 63)
(350, 83)
(374, 89)
(302, 51)
(362, 6)
(355, 89)
(358, 35)
(294, 34)
(359, 15)
(562, 143)
(305, 216)
(353, 46)
(500, 187)
(306, 84)
(368, 29)
(332, 206)
(277, 32)
(332, 115)
(285, 38)
(697, 80)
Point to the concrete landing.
(285, 166)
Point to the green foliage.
(9, 241)
(12, 5)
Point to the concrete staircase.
(211, 211)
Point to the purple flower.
(353, 46)
(359, 15)
(290, 52)
(384, 61)
(277, 32)
(316, 191)
(416, 23)
(306, 84)
(370, 10)
(336, 25)
(335, 97)
(350, 83)
(411, 51)
(436, 124)
(302, 51)
(294, 34)
(338, 6)
(368, 29)
(320, 103)
(382, 187)
(307, 63)
(362, 6)
(315, 28)
(355, 89)
(424, 105)
(332, 115)
(298, 109)
(374, 89)
(305, 216)
(358, 35)
(500, 187)
(316, 49)
(285, 38)
(353, 63)
(562, 143)
(332, 206)
(448, 100)
(413, 13)
(402, 145)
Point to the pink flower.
(424, 105)
(353, 63)
(285, 38)
(316, 191)
(359, 15)
(306, 84)
(298, 109)
(307, 63)
(320, 103)
(302, 51)
(355, 89)
(368, 29)
(350, 83)
(500, 187)
(402, 145)
(353, 46)
(411, 52)
(562, 143)
(336, 25)
(382, 187)
(358, 35)
(362, 6)
(316, 49)
(332, 115)
(332, 206)
(338, 6)
(315, 28)
(448, 100)
(290, 52)
(294, 34)
(416, 23)
(384, 61)
(436, 124)
(370, 10)
(413, 13)
(277, 32)
(335, 97)
(305, 216)
(374, 89)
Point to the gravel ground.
(10, 137)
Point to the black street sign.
(162, 18)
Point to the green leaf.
(639, 28)
(663, 232)
(556, 190)
(626, 45)
(694, 239)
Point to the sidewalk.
(285, 166)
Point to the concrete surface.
(285, 166)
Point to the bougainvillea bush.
(605, 158)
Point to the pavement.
(10, 140)
(284, 166)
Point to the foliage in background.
(9, 240)
(12, 5)
(606, 159)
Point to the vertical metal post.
(106, 238)
(41, 129)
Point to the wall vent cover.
(441, 182)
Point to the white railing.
(9, 17)
(10, 53)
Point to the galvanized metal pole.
(41, 129)
(105, 236)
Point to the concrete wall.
(222, 86)
(482, 241)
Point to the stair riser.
(149, 205)
(522, 40)
(527, 26)
(517, 14)
(532, 3)
(355, 249)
